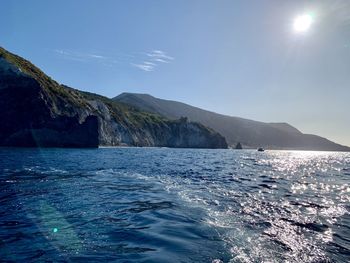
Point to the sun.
(302, 23)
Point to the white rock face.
(10, 69)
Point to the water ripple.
(174, 205)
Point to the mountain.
(36, 111)
(249, 133)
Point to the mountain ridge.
(250, 133)
(37, 111)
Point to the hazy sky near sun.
(240, 58)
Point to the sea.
(173, 205)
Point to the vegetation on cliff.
(250, 133)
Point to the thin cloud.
(152, 60)
(160, 56)
(145, 66)
(96, 56)
(147, 61)
(68, 54)
(161, 60)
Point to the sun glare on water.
(302, 23)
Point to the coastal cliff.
(36, 111)
(249, 133)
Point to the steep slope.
(37, 111)
(248, 132)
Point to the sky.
(239, 58)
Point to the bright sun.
(302, 23)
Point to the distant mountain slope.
(36, 111)
(250, 133)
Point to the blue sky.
(239, 58)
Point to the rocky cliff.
(250, 133)
(36, 111)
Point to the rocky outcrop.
(37, 111)
(238, 146)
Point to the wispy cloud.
(73, 55)
(160, 56)
(96, 56)
(145, 66)
(109, 60)
(152, 60)
(145, 61)
(160, 60)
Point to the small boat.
(260, 149)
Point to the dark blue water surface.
(174, 205)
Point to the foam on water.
(256, 226)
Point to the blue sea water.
(173, 205)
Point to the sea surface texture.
(174, 205)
